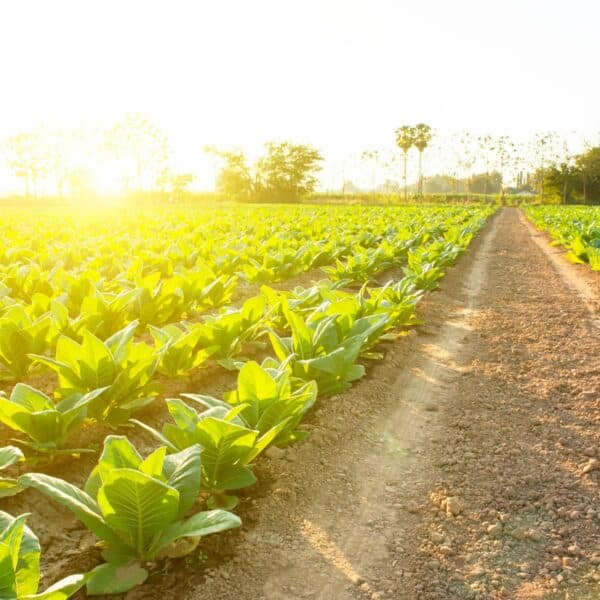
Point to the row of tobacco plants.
(98, 311)
(576, 228)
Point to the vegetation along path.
(464, 466)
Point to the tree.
(484, 183)
(467, 158)
(505, 150)
(405, 140)
(422, 137)
(234, 180)
(287, 172)
(485, 148)
(28, 157)
(139, 148)
(571, 178)
(371, 157)
(173, 185)
(543, 145)
(588, 165)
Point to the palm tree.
(423, 135)
(405, 140)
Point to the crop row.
(576, 228)
(139, 508)
(47, 293)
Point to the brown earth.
(465, 465)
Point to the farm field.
(576, 228)
(299, 300)
(103, 319)
(391, 408)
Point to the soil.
(466, 464)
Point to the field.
(242, 320)
(576, 228)
(300, 402)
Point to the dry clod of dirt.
(275, 453)
(592, 465)
(453, 506)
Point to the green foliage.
(9, 455)
(158, 302)
(275, 267)
(405, 137)
(178, 350)
(394, 304)
(107, 313)
(228, 446)
(20, 565)
(47, 425)
(325, 350)
(234, 180)
(20, 336)
(136, 507)
(225, 333)
(577, 228)
(287, 172)
(267, 399)
(121, 366)
(203, 289)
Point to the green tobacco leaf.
(118, 452)
(183, 472)
(222, 501)
(23, 548)
(61, 590)
(301, 335)
(115, 579)
(138, 507)
(9, 455)
(9, 487)
(226, 450)
(8, 583)
(200, 524)
(76, 500)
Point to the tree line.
(138, 154)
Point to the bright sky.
(340, 74)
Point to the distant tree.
(389, 186)
(468, 158)
(543, 150)
(485, 149)
(234, 180)
(405, 140)
(422, 137)
(485, 183)
(287, 173)
(79, 181)
(571, 179)
(173, 185)
(29, 158)
(140, 149)
(371, 157)
(588, 166)
(560, 182)
(505, 151)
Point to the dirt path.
(464, 466)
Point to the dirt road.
(464, 466)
